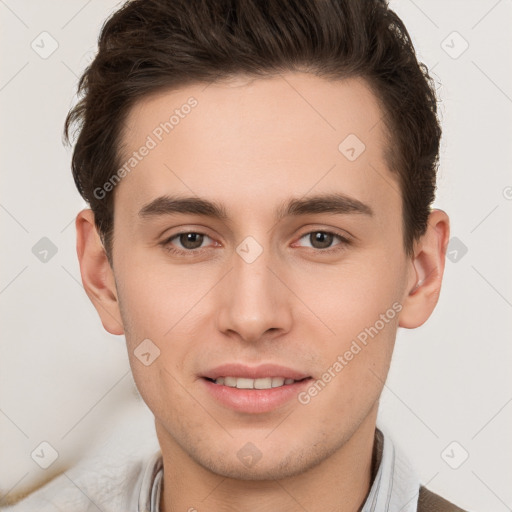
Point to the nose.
(254, 301)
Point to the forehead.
(250, 138)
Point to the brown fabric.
(430, 502)
(378, 443)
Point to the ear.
(426, 272)
(97, 275)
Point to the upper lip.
(253, 372)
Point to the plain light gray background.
(64, 380)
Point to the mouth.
(258, 389)
(261, 383)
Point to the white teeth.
(265, 383)
(277, 382)
(230, 381)
(244, 383)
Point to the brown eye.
(187, 243)
(191, 240)
(324, 241)
(321, 239)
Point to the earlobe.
(427, 268)
(97, 275)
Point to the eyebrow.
(333, 203)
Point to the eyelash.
(344, 241)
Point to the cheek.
(156, 296)
(359, 307)
(161, 386)
(356, 363)
(352, 296)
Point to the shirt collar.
(394, 488)
(151, 484)
(396, 484)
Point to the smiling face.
(248, 235)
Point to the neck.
(340, 482)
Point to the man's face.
(300, 303)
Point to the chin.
(251, 464)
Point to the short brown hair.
(152, 45)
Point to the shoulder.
(431, 502)
(113, 484)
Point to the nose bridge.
(254, 299)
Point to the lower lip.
(255, 400)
